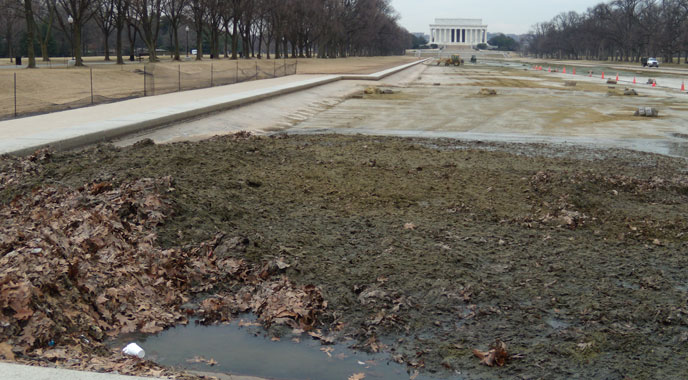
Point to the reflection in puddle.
(242, 348)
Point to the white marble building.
(458, 31)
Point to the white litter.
(134, 349)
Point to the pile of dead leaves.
(78, 266)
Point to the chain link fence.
(28, 92)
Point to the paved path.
(10, 371)
(24, 372)
(83, 126)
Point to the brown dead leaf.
(496, 356)
(6, 351)
(151, 328)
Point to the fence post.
(180, 78)
(15, 94)
(237, 72)
(144, 79)
(211, 74)
(296, 67)
(274, 70)
(285, 67)
(256, 70)
(91, 70)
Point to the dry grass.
(50, 89)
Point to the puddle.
(557, 324)
(240, 348)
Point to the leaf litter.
(80, 265)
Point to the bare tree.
(30, 35)
(197, 8)
(121, 11)
(80, 12)
(46, 15)
(104, 15)
(173, 12)
(148, 14)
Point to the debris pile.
(377, 91)
(80, 265)
(630, 92)
(487, 92)
(646, 112)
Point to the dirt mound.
(422, 248)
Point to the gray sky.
(505, 16)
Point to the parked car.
(652, 62)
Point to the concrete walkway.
(24, 372)
(10, 371)
(83, 126)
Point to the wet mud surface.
(426, 249)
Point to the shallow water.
(245, 350)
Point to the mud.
(426, 249)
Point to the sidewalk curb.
(95, 132)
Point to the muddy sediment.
(429, 248)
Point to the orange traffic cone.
(603, 75)
(549, 69)
(683, 86)
(574, 71)
(654, 83)
(617, 77)
(590, 74)
(564, 70)
(633, 80)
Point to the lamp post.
(187, 41)
(70, 20)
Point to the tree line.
(229, 28)
(623, 30)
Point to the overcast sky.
(506, 16)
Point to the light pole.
(187, 41)
(70, 20)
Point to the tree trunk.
(44, 52)
(199, 44)
(118, 46)
(28, 14)
(260, 44)
(131, 33)
(77, 45)
(175, 38)
(226, 41)
(235, 40)
(106, 43)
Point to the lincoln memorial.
(458, 31)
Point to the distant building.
(422, 35)
(458, 31)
